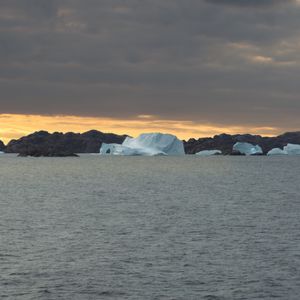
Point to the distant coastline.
(91, 141)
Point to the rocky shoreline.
(57, 144)
(43, 143)
(225, 142)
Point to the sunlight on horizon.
(14, 126)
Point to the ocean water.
(149, 228)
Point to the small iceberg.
(277, 151)
(247, 149)
(209, 152)
(292, 149)
(146, 144)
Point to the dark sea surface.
(149, 228)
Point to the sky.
(194, 67)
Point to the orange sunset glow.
(16, 125)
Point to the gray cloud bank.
(221, 61)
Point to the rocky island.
(225, 142)
(2, 146)
(43, 143)
(46, 152)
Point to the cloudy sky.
(195, 67)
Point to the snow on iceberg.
(277, 151)
(208, 152)
(292, 149)
(116, 149)
(147, 144)
(247, 148)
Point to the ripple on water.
(150, 228)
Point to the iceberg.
(116, 149)
(146, 144)
(208, 152)
(247, 148)
(292, 149)
(289, 149)
(277, 151)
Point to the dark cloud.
(249, 3)
(189, 60)
(33, 8)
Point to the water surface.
(149, 228)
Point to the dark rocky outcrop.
(42, 143)
(225, 142)
(2, 146)
(40, 152)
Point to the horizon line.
(14, 126)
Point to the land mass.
(2, 146)
(225, 142)
(42, 143)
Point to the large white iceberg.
(208, 152)
(147, 144)
(292, 149)
(117, 149)
(247, 148)
(277, 151)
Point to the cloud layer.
(228, 62)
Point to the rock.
(222, 142)
(147, 144)
(2, 146)
(91, 141)
(47, 153)
(59, 143)
(225, 142)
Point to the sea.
(104, 227)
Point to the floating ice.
(148, 144)
(277, 151)
(289, 149)
(292, 149)
(116, 149)
(209, 152)
(247, 148)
